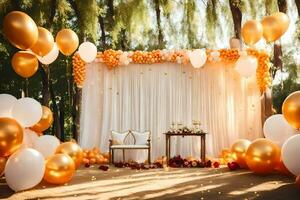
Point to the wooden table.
(199, 134)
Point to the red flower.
(216, 164)
(233, 166)
(103, 167)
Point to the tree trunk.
(102, 27)
(62, 119)
(298, 6)
(25, 87)
(236, 16)
(44, 71)
(158, 21)
(76, 109)
(57, 128)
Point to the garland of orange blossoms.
(113, 59)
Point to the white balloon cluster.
(25, 168)
(278, 130)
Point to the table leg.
(203, 148)
(169, 146)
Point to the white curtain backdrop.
(151, 97)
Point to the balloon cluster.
(279, 149)
(79, 72)
(271, 27)
(26, 155)
(37, 43)
(94, 156)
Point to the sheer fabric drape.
(151, 97)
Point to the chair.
(142, 140)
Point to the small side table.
(199, 134)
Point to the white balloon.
(6, 103)
(29, 138)
(87, 51)
(27, 111)
(24, 169)
(197, 57)
(46, 145)
(278, 130)
(246, 66)
(290, 154)
(50, 57)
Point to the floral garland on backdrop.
(116, 58)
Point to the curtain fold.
(151, 97)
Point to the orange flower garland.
(113, 59)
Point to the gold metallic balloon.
(60, 169)
(45, 122)
(238, 150)
(283, 21)
(2, 165)
(291, 109)
(252, 32)
(271, 28)
(20, 29)
(73, 150)
(25, 63)
(11, 136)
(44, 44)
(262, 156)
(67, 41)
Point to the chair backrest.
(141, 138)
(118, 138)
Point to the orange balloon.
(67, 41)
(60, 169)
(25, 63)
(252, 32)
(45, 122)
(238, 150)
(44, 44)
(283, 21)
(2, 165)
(20, 29)
(271, 28)
(73, 150)
(262, 156)
(297, 182)
(11, 136)
(291, 109)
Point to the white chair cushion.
(140, 138)
(118, 138)
(129, 146)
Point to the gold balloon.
(60, 169)
(67, 41)
(25, 63)
(252, 32)
(11, 136)
(2, 165)
(271, 28)
(45, 122)
(73, 150)
(262, 156)
(44, 44)
(20, 29)
(283, 21)
(291, 109)
(238, 150)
